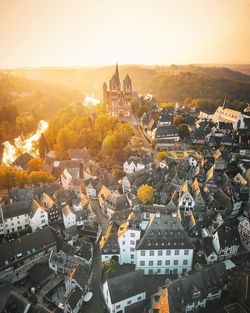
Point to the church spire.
(117, 74)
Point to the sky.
(101, 32)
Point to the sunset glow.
(84, 32)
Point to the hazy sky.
(89, 32)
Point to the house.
(53, 210)
(225, 128)
(115, 202)
(199, 202)
(85, 252)
(123, 291)
(165, 118)
(19, 255)
(191, 293)
(128, 234)
(226, 242)
(244, 231)
(165, 247)
(134, 164)
(220, 161)
(239, 180)
(186, 199)
(209, 252)
(131, 182)
(77, 286)
(69, 217)
(109, 244)
(167, 137)
(20, 194)
(38, 216)
(19, 216)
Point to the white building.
(69, 217)
(134, 164)
(123, 291)
(244, 231)
(38, 216)
(164, 248)
(236, 118)
(128, 234)
(186, 199)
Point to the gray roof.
(26, 246)
(196, 286)
(15, 209)
(126, 286)
(164, 232)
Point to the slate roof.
(126, 286)
(15, 209)
(81, 274)
(74, 297)
(5, 288)
(196, 286)
(164, 232)
(85, 251)
(26, 246)
(23, 160)
(166, 131)
(48, 188)
(21, 194)
(228, 236)
(117, 201)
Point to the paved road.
(101, 217)
(96, 304)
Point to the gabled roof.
(185, 188)
(23, 160)
(126, 286)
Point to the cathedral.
(117, 101)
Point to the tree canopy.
(145, 194)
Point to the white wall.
(127, 244)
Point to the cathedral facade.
(118, 101)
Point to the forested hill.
(167, 83)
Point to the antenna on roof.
(224, 103)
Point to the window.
(166, 271)
(159, 263)
(132, 234)
(118, 306)
(168, 252)
(160, 252)
(150, 271)
(175, 271)
(42, 221)
(158, 270)
(151, 253)
(142, 263)
(176, 262)
(132, 249)
(186, 252)
(185, 262)
(132, 256)
(142, 253)
(123, 242)
(139, 298)
(177, 252)
(167, 262)
(129, 302)
(151, 263)
(132, 242)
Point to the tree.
(183, 131)
(177, 120)
(145, 194)
(108, 269)
(12, 177)
(40, 177)
(161, 155)
(34, 164)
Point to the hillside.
(167, 83)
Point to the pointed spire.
(117, 74)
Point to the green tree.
(145, 194)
